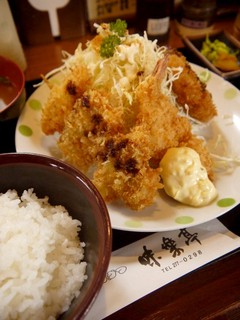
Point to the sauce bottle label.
(158, 26)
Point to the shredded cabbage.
(134, 59)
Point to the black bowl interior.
(68, 187)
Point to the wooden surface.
(212, 291)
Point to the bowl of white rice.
(55, 239)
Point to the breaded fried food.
(90, 123)
(166, 127)
(118, 115)
(63, 95)
(127, 172)
(157, 114)
(199, 146)
(190, 90)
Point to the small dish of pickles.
(219, 51)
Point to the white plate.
(165, 214)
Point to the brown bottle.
(153, 16)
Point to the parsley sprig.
(119, 27)
(108, 45)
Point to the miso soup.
(8, 91)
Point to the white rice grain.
(41, 267)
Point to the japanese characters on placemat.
(148, 256)
(158, 260)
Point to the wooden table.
(212, 291)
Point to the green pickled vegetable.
(220, 54)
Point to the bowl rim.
(102, 266)
(22, 81)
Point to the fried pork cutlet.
(190, 90)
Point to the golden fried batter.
(157, 115)
(117, 120)
(63, 96)
(91, 121)
(199, 146)
(127, 173)
(190, 90)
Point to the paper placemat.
(158, 259)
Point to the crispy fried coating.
(91, 121)
(121, 142)
(190, 90)
(98, 134)
(157, 114)
(199, 146)
(128, 173)
(62, 98)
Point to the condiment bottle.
(153, 16)
(197, 14)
